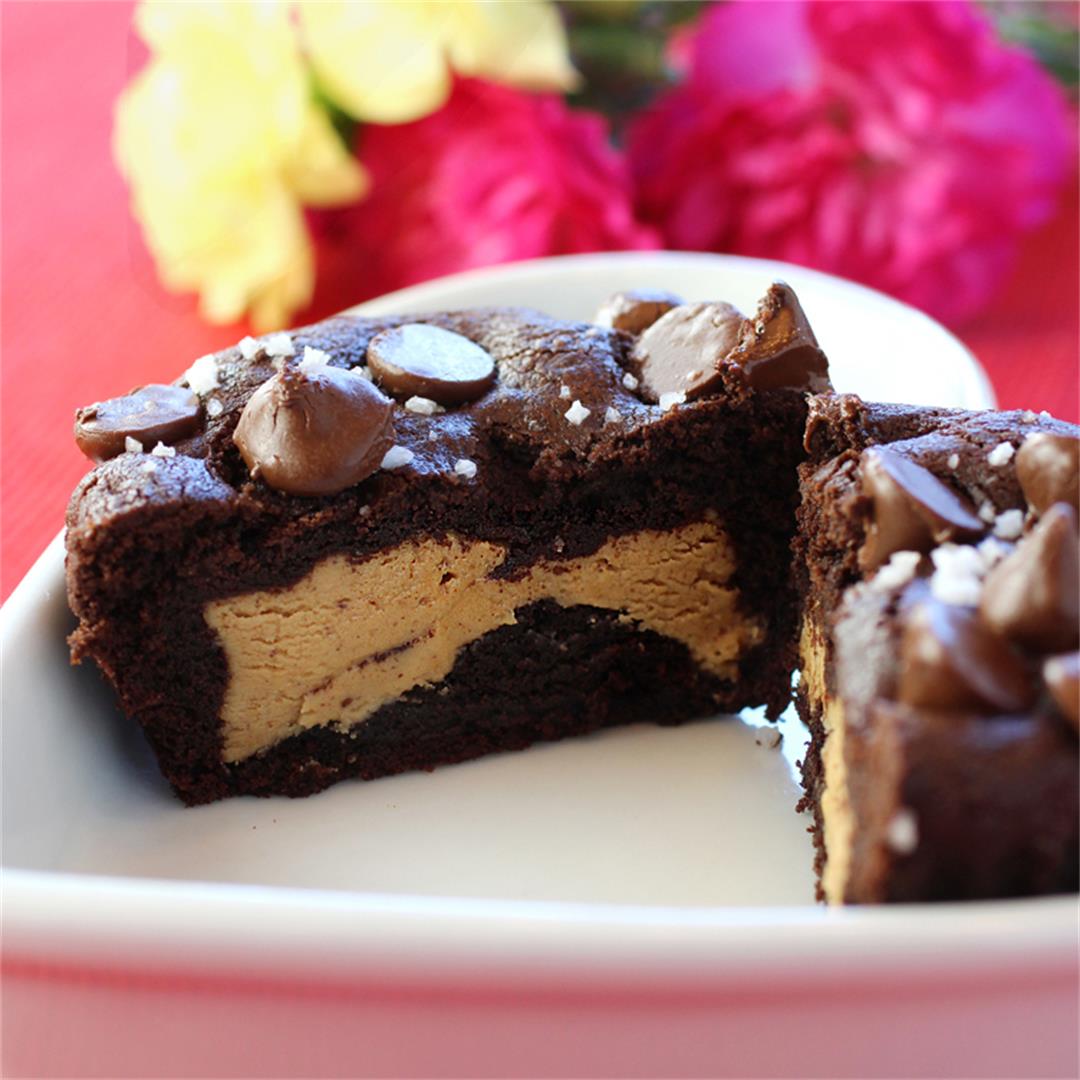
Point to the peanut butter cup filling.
(352, 636)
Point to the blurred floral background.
(280, 150)
(175, 175)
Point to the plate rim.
(47, 914)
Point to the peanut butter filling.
(837, 817)
(352, 636)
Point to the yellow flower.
(222, 143)
(390, 61)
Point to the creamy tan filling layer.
(837, 817)
(352, 636)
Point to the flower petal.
(381, 60)
(322, 172)
(522, 43)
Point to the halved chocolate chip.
(1047, 467)
(683, 350)
(949, 659)
(419, 360)
(913, 510)
(777, 349)
(315, 432)
(1062, 677)
(1033, 595)
(635, 310)
(151, 414)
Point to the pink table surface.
(84, 317)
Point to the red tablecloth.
(84, 317)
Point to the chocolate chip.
(913, 510)
(778, 349)
(1062, 677)
(949, 659)
(636, 309)
(1033, 595)
(683, 350)
(315, 432)
(151, 414)
(1047, 468)
(419, 360)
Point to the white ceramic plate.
(632, 903)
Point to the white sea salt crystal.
(202, 376)
(902, 832)
(577, 413)
(313, 359)
(564, 392)
(149, 467)
(988, 513)
(957, 577)
(1009, 524)
(612, 415)
(214, 408)
(161, 450)
(249, 347)
(396, 457)
(899, 570)
(630, 381)
(132, 446)
(671, 399)
(1001, 455)
(1028, 417)
(422, 405)
(363, 371)
(279, 344)
(465, 467)
(953, 461)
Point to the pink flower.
(897, 143)
(495, 175)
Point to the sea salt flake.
(953, 461)
(149, 467)
(564, 392)
(1045, 415)
(422, 405)
(396, 457)
(671, 399)
(1028, 417)
(1001, 455)
(132, 446)
(279, 344)
(612, 415)
(465, 467)
(363, 371)
(161, 450)
(214, 408)
(249, 347)
(631, 382)
(313, 360)
(988, 513)
(1009, 524)
(202, 376)
(898, 571)
(957, 577)
(577, 413)
(902, 832)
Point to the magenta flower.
(900, 144)
(496, 175)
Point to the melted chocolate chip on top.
(150, 414)
(635, 310)
(316, 432)
(419, 360)
(912, 508)
(1047, 468)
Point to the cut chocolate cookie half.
(388, 544)
(937, 555)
